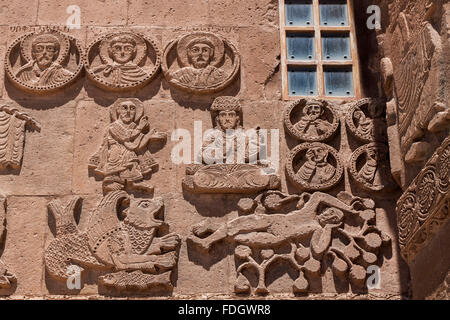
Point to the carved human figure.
(124, 158)
(370, 172)
(316, 169)
(229, 140)
(268, 230)
(43, 69)
(120, 68)
(371, 126)
(310, 123)
(200, 72)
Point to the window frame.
(317, 30)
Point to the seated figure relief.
(47, 61)
(365, 120)
(204, 63)
(318, 227)
(121, 61)
(230, 158)
(311, 120)
(124, 160)
(314, 166)
(121, 240)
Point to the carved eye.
(145, 204)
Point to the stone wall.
(303, 239)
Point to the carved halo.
(300, 104)
(26, 45)
(185, 41)
(141, 47)
(303, 185)
(23, 45)
(137, 102)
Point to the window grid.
(319, 62)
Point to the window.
(319, 53)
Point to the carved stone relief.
(370, 169)
(124, 160)
(311, 120)
(201, 63)
(13, 124)
(321, 227)
(314, 166)
(7, 279)
(222, 170)
(41, 62)
(425, 205)
(121, 239)
(122, 60)
(366, 122)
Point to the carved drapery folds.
(201, 63)
(122, 60)
(44, 62)
(230, 158)
(123, 243)
(425, 205)
(320, 227)
(124, 160)
(13, 125)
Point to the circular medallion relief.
(314, 166)
(311, 120)
(200, 63)
(369, 167)
(42, 62)
(366, 122)
(122, 61)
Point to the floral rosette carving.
(314, 166)
(370, 167)
(42, 62)
(311, 120)
(426, 192)
(443, 169)
(201, 63)
(366, 122)
(123, 60)
(407, 218)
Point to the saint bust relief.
(200, 62)
(48, 61)
(311, 120)
(201, 53)
(123, 60)
(314, 166)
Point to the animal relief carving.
(320, 227)
(121, 238)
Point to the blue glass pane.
(333, 13)
(299, 13)
(302, 81)
(300, 46)
(339, 82)
(336, 47)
